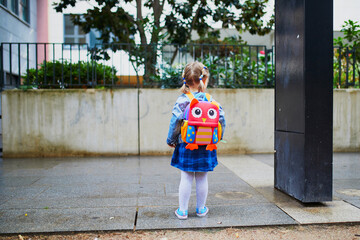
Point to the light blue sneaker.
(182, 215)
(202, 212)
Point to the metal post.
(2, 67)
(353, 66)
(19, 67)
(304, 98)
(10, 62)
(347, 67)
(339, 66)
(266, 67)
(79, 65)
(257, 65)
(250, 68)
(62, 66)
(45, 69)
(53, 64)
(242, 65)
(36, 65)
(71, 64)
(27, 65)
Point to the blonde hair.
(195, 73)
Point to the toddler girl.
(192, 163)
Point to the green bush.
(67, 75)
(235, 71)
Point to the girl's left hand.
(172, 145)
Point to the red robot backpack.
(201, 123)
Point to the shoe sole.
(180, 217)
(203, 214)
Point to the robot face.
(203, 114)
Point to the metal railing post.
(10, 62)
(18, 83)
(2, 83)
(36, 64)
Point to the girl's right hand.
(172, 145)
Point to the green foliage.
(347, 56)
(153, 26)
(171, 76)
(237, 69)
(66, 75)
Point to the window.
(72, 33)
(18, 7)
(14, 6)
(24, 10)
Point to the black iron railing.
(346, 67)
(56, 65)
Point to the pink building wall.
(42, 29)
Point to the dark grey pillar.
(304, 98)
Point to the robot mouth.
(203, 124)
(204, 119)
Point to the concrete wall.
(105, 122)
(71, 122)
(346, 125)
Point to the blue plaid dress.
(198, 160)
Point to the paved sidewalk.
(126, 193)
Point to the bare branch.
(140, 22)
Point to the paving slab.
(355, 203)
(26, 192)
(87, 180)
(347, 189)
(69, 166)
(274, 195)
(156, 201)
(347, 183)
(348, 193)
(94, 191)
(218, 216)
(60, 220)
(264, 158)
(252, 171)
(80, 194)
(18, 181)
(327, 212)
(67, 203)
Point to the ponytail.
(184, 88)
(201, 87)
(195, 73)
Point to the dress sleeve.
(176, 120)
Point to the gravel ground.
(308, 232)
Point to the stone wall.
(107, 122)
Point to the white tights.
(185, 189)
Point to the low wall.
(107, 122)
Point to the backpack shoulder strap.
(190, 96)
(208, 97)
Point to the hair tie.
(202, 74)
(184, 81)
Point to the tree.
(117, 25)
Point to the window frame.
(76, 36)
(21, 9)
(14, 6)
